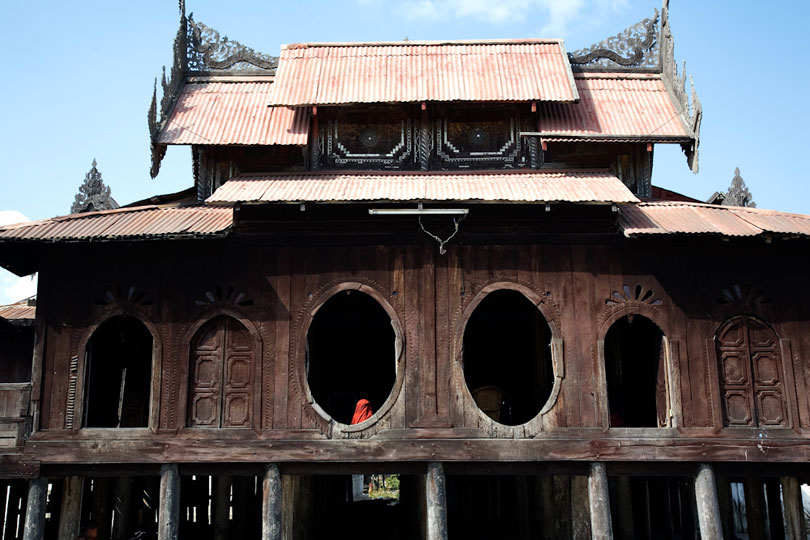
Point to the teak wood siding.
(580, 289)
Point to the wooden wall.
(580, 288)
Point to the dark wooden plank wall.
(430, 294)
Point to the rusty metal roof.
(488, 186)
(19, 311)
(667, 218)
(186, 221)
(222, 112)
(409, 71)
(620, 106)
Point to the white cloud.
(13, 288)
(554, 16)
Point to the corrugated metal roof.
(125, 223)
(489, 186)
(661, 218)
(20, 311)
(407, 71)
(233, 112)
(616, 105)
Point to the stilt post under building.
(70, 514)
(35, 509)
(794, 510)
(271, 504)
(436, 497)
(169, 514)
(599, 497)
(708, 508)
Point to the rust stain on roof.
(125, 223)
(19, 311)
(408, 72)
(223, 112)
(489, 186)
(668, 218)
(616, 105)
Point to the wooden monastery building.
(466, 235)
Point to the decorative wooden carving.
(93, 194)
(636, 47)
(637, 295)
(121, 294)
(743, 295)
(750, 371)
(220, 375)
(461, 142)
(222, 294)
(359, 142)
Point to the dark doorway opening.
(119, 374)
(507, 357)
(636, 373)
(653, 508)
(351, 354)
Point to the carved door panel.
(220, 382)
(749, 369)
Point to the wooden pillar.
(271, 504)
(708, 508)
(222, 508)
(599, 496)
(624, 512)
(122, 498)
(35, 509)
(101, 506)
(774, 497)
(755, 507)
(580, 509)
(169, 514)
(794, 511)
(70, 514)
(436, 497)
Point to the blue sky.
(78, 80)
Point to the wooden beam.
(436, 497)
(70, 514)
(35, 509)
(708, 508)
(271, 504)
(599, 496)
(169, 514)
(794, 511)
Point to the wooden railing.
(13, 414)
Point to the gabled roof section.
(232, 111)
(681, 218)
(142, 222)
(21, 313)
(615, 107)
(408, 72)
(521, 186)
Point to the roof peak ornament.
(636, 47)
(199, 49)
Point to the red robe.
(362, 412)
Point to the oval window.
(507, 357)
(351, 355)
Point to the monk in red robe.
(362, 411)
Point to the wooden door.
(220, 375)
(750, 369)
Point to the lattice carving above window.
(465, 141)
(121, 294)
(356, 143)
(743, 294)
(637, 295)
(227, 295)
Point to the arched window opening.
(750, 369)
(221, 375)
(351, 354)
(507, 357)
(636, 373)
(119, 374)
